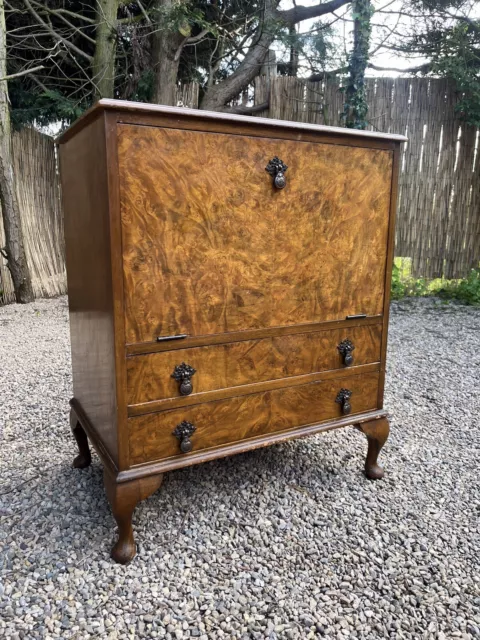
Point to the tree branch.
(191, 40)
(219, 95)
(324, 75)
(299, 13)
(198, 37)
(145, 14)
(422, 68)
(22, 73)
(72, 26)
(79, 16)
(244, 110)
(54, 34)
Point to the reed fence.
(41, 217)
(438, 222)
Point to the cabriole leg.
(123, 498)
(84, 457)
(377, 433)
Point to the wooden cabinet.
(216, 306)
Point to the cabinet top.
(125, 108)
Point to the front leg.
(377, 433)
(84, 457)
(123, 498)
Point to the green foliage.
(457, 56)
(453, 46)
(44, 107)
(465, 291)
(405, 286)
(397, 287)
(144, 90)
(182, 17)
(318, 49)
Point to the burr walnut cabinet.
(228, 287)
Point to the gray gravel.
(286, 542)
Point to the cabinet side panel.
(83, 165)
(389, 269)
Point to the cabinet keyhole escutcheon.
(183, 375)
(277, 168)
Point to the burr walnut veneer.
(228, 287)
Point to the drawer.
(239, 363)
(226, 421)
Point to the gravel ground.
(285, 542)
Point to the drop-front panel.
(209, 246)
(217, 306)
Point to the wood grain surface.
(227, 421)
(251, 361)
(83, 165)
(199, 119)
(210, 246)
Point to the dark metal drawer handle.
(183, 375)
(183, 432)
(277, 168)
(346, 347)
(343, 399)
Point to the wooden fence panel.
(41, 216)
(188, 95)
(472, 231)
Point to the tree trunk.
(356, 107)
(103, 66)
(165, 56)
(218, 96)
(14, 250)
(293, 62)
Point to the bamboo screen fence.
(41, 217)
(438, 222)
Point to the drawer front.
(247, 362)
(211, 246)
(227, 421)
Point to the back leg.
(84, 457)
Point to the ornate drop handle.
(276, 168)
(183, 375)
(183, 432)
(343, 399)
(346, 347)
